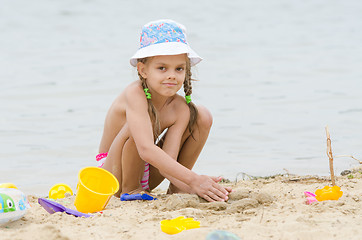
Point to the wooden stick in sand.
(330, 156)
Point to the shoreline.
(263, 208)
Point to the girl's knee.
(204, 118)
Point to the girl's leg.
(132, 168)
(124, 163)
(191, 147)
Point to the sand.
(264, 208)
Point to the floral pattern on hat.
(160, 33)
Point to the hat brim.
(168, 48)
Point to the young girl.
(151, 105)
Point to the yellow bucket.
(95, 187)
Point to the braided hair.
(151, 108)
(188, 92)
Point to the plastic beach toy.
(59, 191)
(310, 197)
(7, 185)
(53, 207)
(137, 196)
(178, 224)
(13, 204)
(328, 193)
(221, 235)
(95, 187)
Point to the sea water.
(274, 74)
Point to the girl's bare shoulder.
(133, 86)
(121, 100)
(179, 106)
(130, 90)
(133, 89)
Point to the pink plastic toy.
(310, 197)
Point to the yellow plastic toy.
(328, 193)
(178, 224)
(7, 185)
(59, 191)
(95, 188)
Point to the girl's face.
(165, 75)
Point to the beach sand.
(263, 208)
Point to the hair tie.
(148, 95)
(188, 99)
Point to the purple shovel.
(53, 207)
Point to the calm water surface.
(275, 74)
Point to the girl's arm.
(172, 144)
(141, 130)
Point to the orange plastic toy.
(178, 224)
(328, 193)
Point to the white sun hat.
(164, 37)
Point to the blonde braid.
(188, 92)
(152, 111)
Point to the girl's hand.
(209, 189)
(218, 179)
